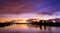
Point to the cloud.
(45, 13)
(46, 7)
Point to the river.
(29, 28)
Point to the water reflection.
(29, 28)
(38, 26)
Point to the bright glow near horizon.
(29, 9)
(26, 16)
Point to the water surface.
(28, 28)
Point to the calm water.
(28, 28)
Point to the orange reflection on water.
(28, 28)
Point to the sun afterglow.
(54, 21)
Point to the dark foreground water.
(28, 28)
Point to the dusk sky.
(29, 9)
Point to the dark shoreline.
(5, 24)
(46, 24)
(33, 23)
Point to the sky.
(29, 9)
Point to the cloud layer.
(45, 7)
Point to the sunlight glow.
(54, 21)
(20, 21)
